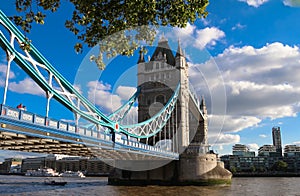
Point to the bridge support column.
(189, 170)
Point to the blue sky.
(254, 43)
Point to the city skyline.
(276, 143)
(256, 51)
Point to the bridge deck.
(24, 131)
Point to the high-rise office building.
(277, 139)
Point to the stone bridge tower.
(158, 78)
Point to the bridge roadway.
(25, 131)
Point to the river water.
(269, 186)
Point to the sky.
(252, 44)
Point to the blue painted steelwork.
(32, 60)
(15, 117)
(36, 76)
(120, 113)
(159, 120)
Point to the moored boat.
(44, 172)
(77, 174)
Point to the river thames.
(273, 186)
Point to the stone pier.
(189, 170)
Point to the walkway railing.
(28, 117)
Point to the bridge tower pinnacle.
(205, 125)
(182, 66)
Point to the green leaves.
(119, 27)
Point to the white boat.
(77, 174)
(45, 172)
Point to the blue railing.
(28, 117)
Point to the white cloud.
(205, 21)
(185, 35)
(295, 143)
(204, 37)
(208, 37)
(184, 32)
(99, 93)
(253, 147)
(26, 86)
(125, 92)
(260, 83)
(259, 80)
(238, 123)
(232, 123)
(262, 135)
(96, 85)
(3, 72)
(78, 88)
(238, 26)
(224, 139)
(291, 3)
(255, 3)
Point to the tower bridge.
(171, 128)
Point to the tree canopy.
(279, 166)
(93, 21)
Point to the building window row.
(159, 76)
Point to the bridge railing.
(28, 117)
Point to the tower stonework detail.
(157, 79)
(187, 126)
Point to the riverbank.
(23, 174)
(270, 174)
(24, 185)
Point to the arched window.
(148, 67)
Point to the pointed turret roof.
(163, 49)
(202, 104)
(179, 50)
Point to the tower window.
(157, 65)
(148, 67)
(157, 76)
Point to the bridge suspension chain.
(121, 113)
(47, 77)
(154, 125)
(56, 86)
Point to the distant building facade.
(10, 165)
(268, 156)
(90, 166)
(292, 157)
(267, 150)
(242, 150)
